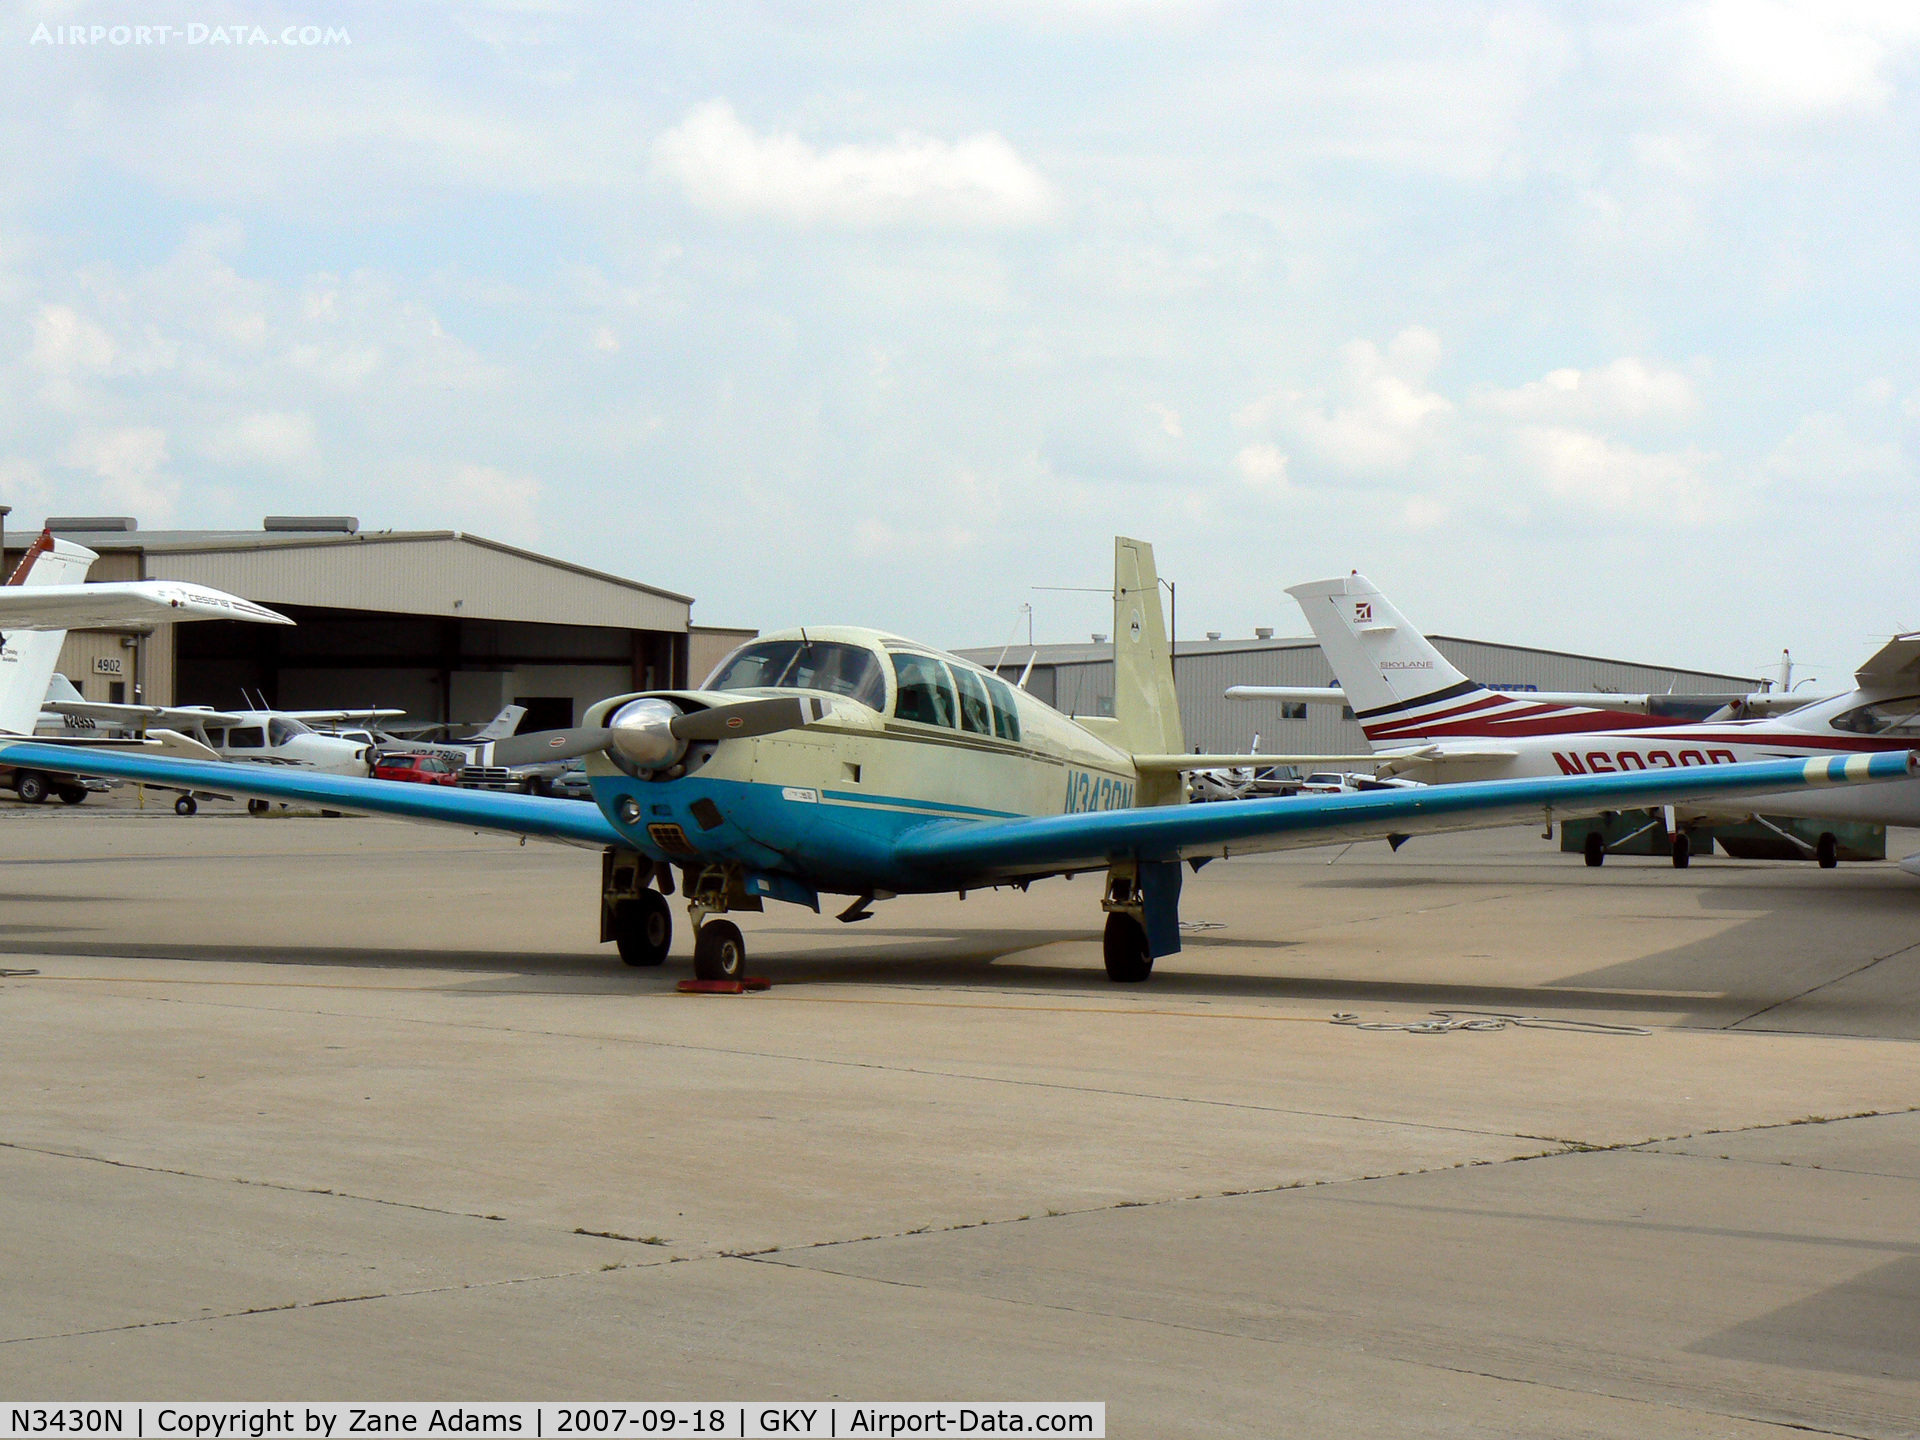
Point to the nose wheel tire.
(643, 928)
(1827, 851)
(1682, 851)
(186, 805)
(719, 952)
(1596, 850)
(1125, 945)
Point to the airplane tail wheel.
(719, 952)
(643, 928)
(1596, 850)
(1827, 851)
(1682, 850)
(186, 805)
(1125, 944)
(258, 807)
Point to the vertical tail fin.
(1144, 702)
(502, 725)
(1381, 661)
(28, 657)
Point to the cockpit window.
(1883, 717)
(281, 729)
(849, 670)
(925, 691)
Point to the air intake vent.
(91, 524)
(311, 524)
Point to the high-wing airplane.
(257, 737)
(1427, 721)
(857, 762)
(40, 601)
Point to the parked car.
(419, 769)
(571, 782)
(527, 779)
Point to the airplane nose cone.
(642, 731)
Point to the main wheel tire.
(1827, 851)
(719, 952)
(32, 787)
(72, 794)
(1125, 946)
(643, 928)
(258, 807)
(1596, 850)
(186, 805)
(1682, 850)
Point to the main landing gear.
(643, 928)
(635, 915)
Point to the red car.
(420, 769)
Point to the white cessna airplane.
(855, 762)
(42, 599)
(1427, 721)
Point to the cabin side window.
(246, 737)
(976, 710)
(1006, 713)
(1883, 717)
(925, 693)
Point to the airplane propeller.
(654, 734)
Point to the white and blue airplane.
(857, 762)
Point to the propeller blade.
(538, 745)
(751, 717)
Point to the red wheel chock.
(724, 987)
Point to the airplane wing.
(1896, 661)
(1242, 761)
(545, 819)
(1196, 832)
(141, 714)
(127, 602)
(337, 716)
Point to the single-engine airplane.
(857, 762)
(1427, 721)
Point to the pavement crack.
(243, 1180)
(1812, 989)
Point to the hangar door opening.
(461, 671)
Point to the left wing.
(546, 819)
(1195, 832)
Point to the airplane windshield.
(1883, 717)
(282, 728)
(849, 670)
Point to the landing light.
(629, 810)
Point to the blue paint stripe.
(897, 802)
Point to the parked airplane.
(1427, 721)
(39, 602)
(261, 737)
(855, 762)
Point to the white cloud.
(724, 166)
(1626, 390)
(486, 499)
(1809, 56)
(1593, 472)
(65, 344)
(1264, 468)
(269, 437)
(128, 463)
(1387, 414)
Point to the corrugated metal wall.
(428, 576)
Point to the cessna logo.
(1363, 610)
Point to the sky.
(1584, 326)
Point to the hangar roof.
(417, 572)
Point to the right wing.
(566, 820)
